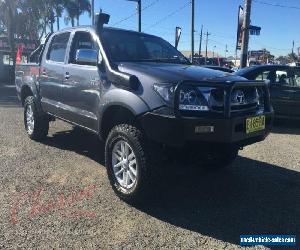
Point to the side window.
(263, 76)
(58, 47)
(82, 40)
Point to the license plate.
(254, 124)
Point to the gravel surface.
(55, 194)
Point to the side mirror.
(87, 57)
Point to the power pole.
(93, 12)
(140, 14)
(245, 37)
(207, 34)
(200, 45)
(139, 10)
(226, 51)
(193, 31)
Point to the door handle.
(67, 75)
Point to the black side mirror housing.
(101, 19)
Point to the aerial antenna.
(101, 19)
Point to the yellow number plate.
(254, 124)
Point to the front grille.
(242, 99)
(226, 100)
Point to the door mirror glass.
(87, 57)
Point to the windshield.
(124, 46)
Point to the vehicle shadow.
(79, 141)
(250, 197)
(8, 96)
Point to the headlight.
(166, 91)
(191, 99)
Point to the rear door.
(295, 99)
(81, 84)
(52, 73)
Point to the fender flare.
(124, 99)
(32, 85)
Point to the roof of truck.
(89, 27)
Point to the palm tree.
(58, 7)
(54, 10)
(75, 8)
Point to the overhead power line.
(125, 19)
(135, 13)
(277, 5)
(169, 15)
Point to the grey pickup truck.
(142, 97)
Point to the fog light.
(204, 129)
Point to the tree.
(75, 8)
(59, 8)
(292, 57)
(282, 60)
(33, 18)
(8, 15)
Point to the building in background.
(258, 57)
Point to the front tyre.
(127, 162)
(36, 125)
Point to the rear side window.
(58, 47)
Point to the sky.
(280, 24)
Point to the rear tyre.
(129, 162)
(36, 125)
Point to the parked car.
(140, 95)
(284, 82)
(224, 69)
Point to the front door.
(81, 84)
